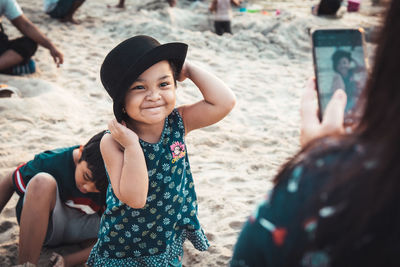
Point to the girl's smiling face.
(151, 98)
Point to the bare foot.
(70, 19)
(117, 6)
(56, 260)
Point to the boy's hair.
(92, 155)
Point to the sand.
(266, 63)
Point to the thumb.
(309, 106)
(334, 113)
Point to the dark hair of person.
(329, 7)
(365, 232)
(174, 71)
(92, 155)
(339, 54)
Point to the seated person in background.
(62, 196)
(223, 15)
(15, 55)
(63, 9)
(121, 3)
(326, 7)
(336, 203)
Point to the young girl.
(151, 201)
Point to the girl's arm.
(218, 100)
(337, 83)
(126, 165)
(357, 67)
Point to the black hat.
(128, 60)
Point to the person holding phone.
(336, 202)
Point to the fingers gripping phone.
(340, 63)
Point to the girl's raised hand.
(184, 72)
(122, 134)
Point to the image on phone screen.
(339, 64)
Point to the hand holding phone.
(332, 123)
(340, 63)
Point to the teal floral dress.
(154, 235)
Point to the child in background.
(60, 200)
(223, 15)
(62, 9)
(151, 201)
(326, 7)
(121, 3)
(15, 54)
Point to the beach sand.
(266, 62)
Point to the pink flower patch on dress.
(177, 150)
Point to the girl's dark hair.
(337, 56)
(366, 232)
(174, 70)
(92, 155)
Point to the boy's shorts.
(24, 46)
(68, 225)
(222, 27)
(62, 8)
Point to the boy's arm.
(213, 6)
(125, 165)
(236, 2)
(27, 28)
(6, 190)
(218, 100)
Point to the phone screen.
(339, 63)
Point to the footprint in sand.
(210, 237)
(8, 212)
(236, 225)
(6, 225)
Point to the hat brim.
(175, 52)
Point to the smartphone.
(340, 62)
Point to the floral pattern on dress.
(155, 233)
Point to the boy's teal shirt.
(58, 163)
